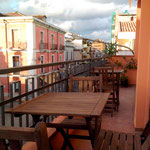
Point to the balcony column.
(138, 15)
(143, 71)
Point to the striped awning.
(128, 26)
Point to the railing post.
(20, 101)
(2, 107)
(67, 77)
(11, 104)
(48, 82)
(38, 85)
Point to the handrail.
(24, 68)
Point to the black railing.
(54, 46)
(43, 46)
(61, 47)
(51, 81)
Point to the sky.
(89, 18)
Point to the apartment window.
(15, 38)
(66, 55)
(16, 87)
(52, 41)
(60, 43)
(16, 62)
(52, 61)
(42, 62)
(60, 57)
(41, 37)
(132, 19)
(71, 55)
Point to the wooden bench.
(16, 134)
(111, 140)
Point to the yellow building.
(98, 45)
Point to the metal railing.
(52, 81)
(43, 46)
(17, 45)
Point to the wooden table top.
(66, 103)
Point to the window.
(52, 61)
(42, 62)
(52, 41)
(16, 62)
(60, 57)
(16, 87)
(60, 43)
(132, 19)
(41, 37)
(15, 38)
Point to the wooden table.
(86, 105)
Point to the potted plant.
(124, 79)
(110, 50)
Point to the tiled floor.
(122, 121)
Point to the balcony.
(61, 47)
(57, 81)
(43, 46)
(17, 45)
(54, 46)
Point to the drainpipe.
(48, 47)
(57, 46)
(5, 22)
(7, 61)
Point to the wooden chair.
(107, 85)
(112, 140)
(16, 134)
(83, 84)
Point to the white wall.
(126, 35)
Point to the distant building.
(123, 30)
(28, 40)
(98, 45)
(73, 42)
(69, 47)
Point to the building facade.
(69, 47)
(28, 40)
(123, 30)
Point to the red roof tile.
(128, 26)
(16, 13)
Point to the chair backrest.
(106, 75)
(16, 134)
(85, 84)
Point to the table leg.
(97, 126)
(117, 92)
(65, 138)
(91, 134)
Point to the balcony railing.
(17, 45)
(52, 81)
(61, 47)
(54, 46)
(43, 46)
